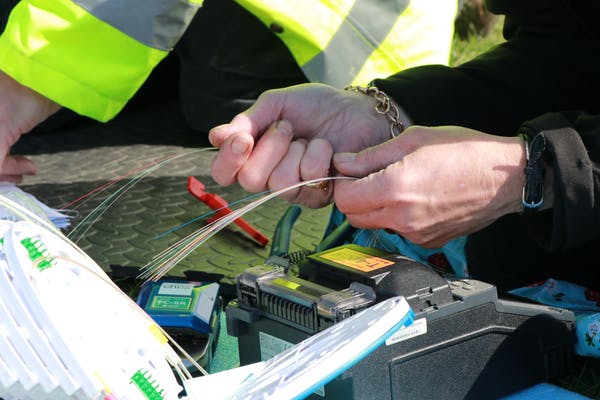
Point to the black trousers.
(5, 7)
(222, 63)
(227, 58)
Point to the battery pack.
(465, 341)
(189, 312)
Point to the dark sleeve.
(548, 63)
(573, 157)
(559, 242)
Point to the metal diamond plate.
(80, 158)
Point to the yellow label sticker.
(156, 331)
(286, 283)
(356, 259)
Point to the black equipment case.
(465, 342)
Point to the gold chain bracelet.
(383, 105)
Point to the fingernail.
(239, 146)
(283, 127)
(344, 157)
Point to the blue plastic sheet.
(584, 302)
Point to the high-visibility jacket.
(92, 55)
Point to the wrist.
(516, 160)
(22, 108)
(397, 119)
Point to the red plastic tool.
(217, 203)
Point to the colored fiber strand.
(106, 185)
(84, 226)
(86, 223)
(209, 214)
(168, 258)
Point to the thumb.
(13, 167)
(254, 121)
(369, 160)
(241, 124)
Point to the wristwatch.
(533, 190)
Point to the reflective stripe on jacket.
(91, 56)
(343, 42)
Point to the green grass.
(585, 378)
(465, 50)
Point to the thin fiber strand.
(170, 257)
(84, 226)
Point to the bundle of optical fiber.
(67, 332)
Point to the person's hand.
(289, 135)
(21, 109)
(432, 185)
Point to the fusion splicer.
(465, 342)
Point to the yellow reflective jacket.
(92, 55)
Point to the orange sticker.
(356, 259)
